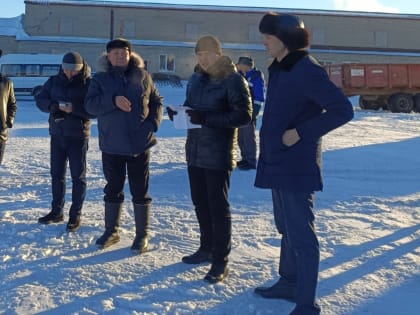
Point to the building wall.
(170, 29)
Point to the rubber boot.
(112, 224)
(141, 216)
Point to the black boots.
(74, 224)
(141, 216)
(51, 218)
(282, 289)
(198, 257)
(112, 223)
(218, 272)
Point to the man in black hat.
(247, 141)
(62, 96)
(129, 110)
(302, 105)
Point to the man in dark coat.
(129, 110)
(62, 96)
(220, 101)
(7, 111)
(302, 105)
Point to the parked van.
(29, 71)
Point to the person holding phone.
(62, 96)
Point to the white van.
(29, 71)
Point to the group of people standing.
(301, 106)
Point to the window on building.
(191, 31)
(66, 26)
(167, 63)
(381, 39)
(127, 29)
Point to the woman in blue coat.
(302, 105)
(69, 125)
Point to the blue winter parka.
(299, 95)
(125, 133)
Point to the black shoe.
(217, 273)
(280, 290)
(247, 166)
(107, 239)
(74, 224)
(198, 257)
(140, 245)
(51, 218)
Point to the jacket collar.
(287, 63)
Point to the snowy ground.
(368, 220)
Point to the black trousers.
(73, 150)
(2, 147)
(209, 194)
(117, 167)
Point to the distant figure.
(246, 135)
(129, 109)
(7, 111)
(220, 102)
(69, 125)
(302, 105)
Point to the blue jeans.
(74, 151)
(299, 256)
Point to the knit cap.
(72, 61)
(209, 43)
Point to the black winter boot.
(51, 217)
(112, 223)
(218, 272)
(141, 216)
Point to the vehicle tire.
(368, 104)
(401, 103)
(417, 103)
(36, 90)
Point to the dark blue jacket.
(299, 95)
(224, 95)
(125, 133)
(60, 89)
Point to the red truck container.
(388, 86)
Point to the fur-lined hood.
(135, 62)
(221, 69)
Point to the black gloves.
(54, 107)
(171, 113)
(197, 117)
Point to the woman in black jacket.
(220, 101)
(69, 125)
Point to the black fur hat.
(290, 29)
(118, 43)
